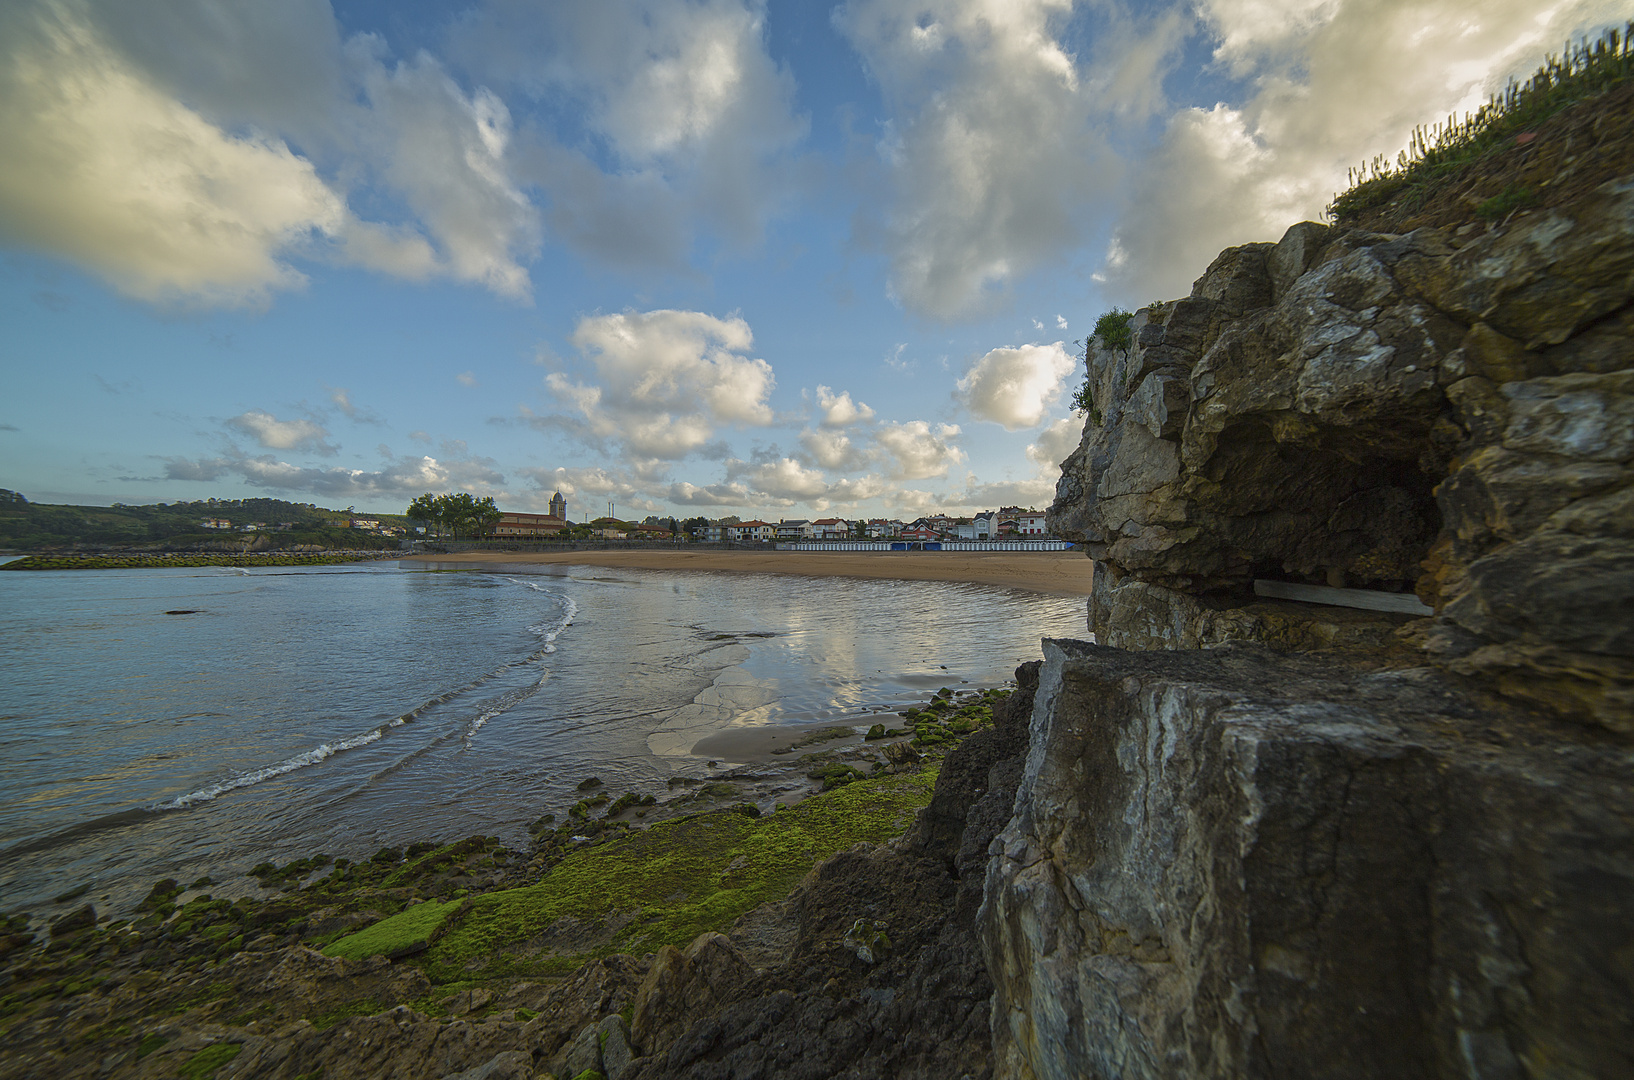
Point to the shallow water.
(338, 709)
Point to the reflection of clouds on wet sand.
(734, 697)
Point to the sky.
(770, 258)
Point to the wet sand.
(1061, 573)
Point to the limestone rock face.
(1453, 417)
(1237, 863)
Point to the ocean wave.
(547, 631)
(321, 752)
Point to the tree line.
(455, 515)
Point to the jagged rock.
(509, 1065)
(583, 1053)
(600, 988)
(900, 757)
(616, 1054)
(78, 921)
(321, 982)
(1447, 415)
(1233, 863)
(680, 985)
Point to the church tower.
(558, 506)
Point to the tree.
(485, 515)
(425, 510)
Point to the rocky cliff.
(1347, 786)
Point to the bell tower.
(558, 506)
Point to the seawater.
(340, 709)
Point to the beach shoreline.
(1058, 573)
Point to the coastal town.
(1008, 522)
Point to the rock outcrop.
(1446, 415)
(1262, 837)
(1239, 863)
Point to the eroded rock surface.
(1236, 863)
(1450, 416)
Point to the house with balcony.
(1031, 524)
(755, 532)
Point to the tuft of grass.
(1500, 206)
(1437, 153)
(1112, 331)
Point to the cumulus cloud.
(838, 409)
(1330, 84)
(1055, 444)
(447, 153)
(466, 378)
(918, 450)
(1015, 387)
(991, 154)
(683, 493)
(153, 147)
(275, 434)
(833, 449)
(665, 380)
(784, 479)
(687, 106)
(112, 173)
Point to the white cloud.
(151, 145)
(833, 449)
(448, 154)
(402, 478)
(112, 173)
(684, 98)
(1055, 444)
(1037, 491)
(1332, 83)
(991, 154)
(666, 380)
(1015, 387)
(917, 450)
(783, 479)
(838, 409)
(731, 494)
(466, 378)
(275, 434)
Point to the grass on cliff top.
(1440, 153)
(659, 886)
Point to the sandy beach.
(1061, 573)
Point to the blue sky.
(780, 259)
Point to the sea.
(183, 722)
